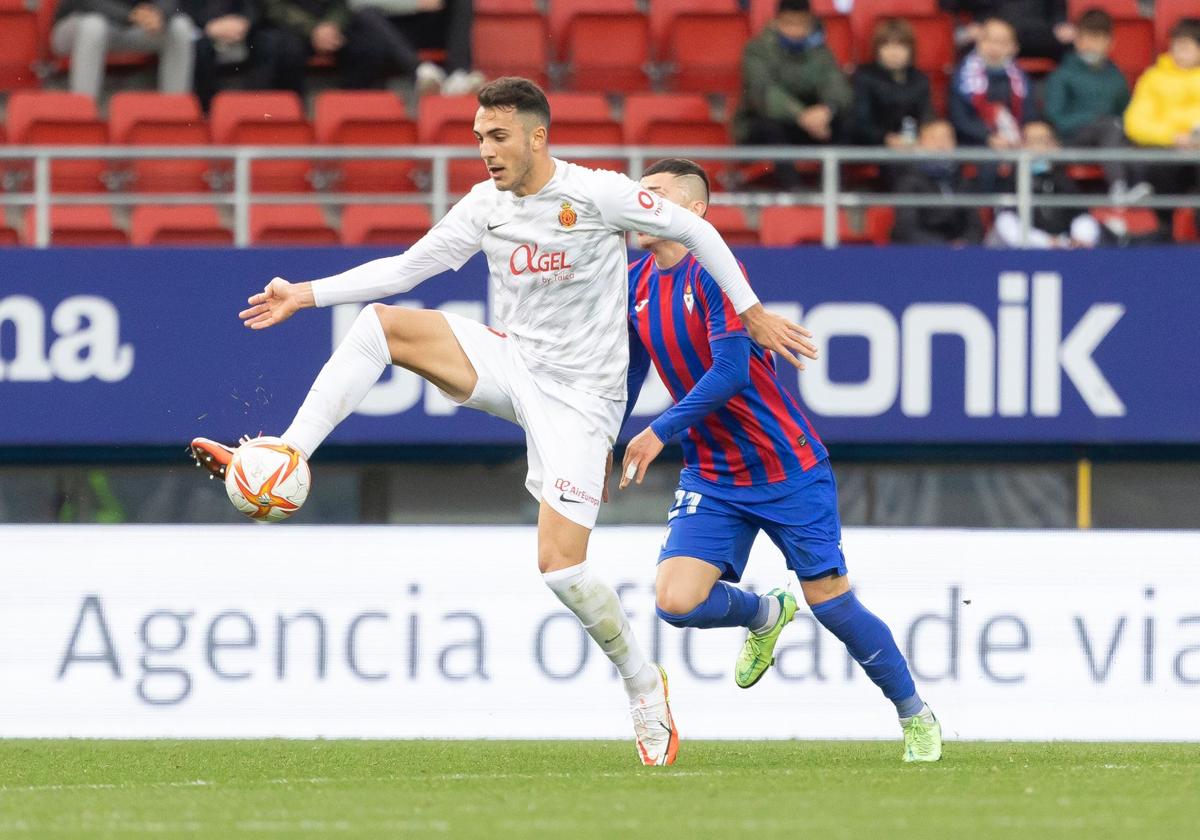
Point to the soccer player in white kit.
(554, 236)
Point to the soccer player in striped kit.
(752, 462)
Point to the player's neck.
(538, 177)
(668, 254)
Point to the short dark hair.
(1095, 21)
(679, 166)
(894, 31)
(1186, 28)
(517, 93)
(802, 6)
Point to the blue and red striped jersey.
(760, 436)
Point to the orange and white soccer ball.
(267, 480)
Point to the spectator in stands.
(87, 30)
(1053, 227)
(990, 96)
(891, 97)
(1086, 96)
(427, 25)
(1041, 26)
(936, 225)
(793, 92)
(358, 43)
(1165, 110)
(234, 50)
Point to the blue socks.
(725, 606)
(871, 644)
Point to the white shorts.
(568, 433)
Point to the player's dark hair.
(679, 166)
(802, 6)
(1186, 28)
(1095, 21)
(517, 93)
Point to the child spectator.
(1086, 96)
(990, 98)
(936, 225)
(1053, 227)
(1165, 111)
(891, 97)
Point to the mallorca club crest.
(566, 216)
(688, 298)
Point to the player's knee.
(672, 602)
(553, 559)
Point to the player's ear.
(699, 208)
(537, 138)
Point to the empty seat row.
(363, 118)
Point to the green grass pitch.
(593, 789)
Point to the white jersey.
(557, 267)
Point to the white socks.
(599, 610)
(342, 384)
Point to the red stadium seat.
(450, 121)
(377, 224)
(781, 226)
(731, 223)
(44, 118)
(562, 12)
(763, 12)
(578, 107)
(503, 7)
(705, 52)
(643, 110)
(1133, 46)
(366, 118)
(511, 45)
(1137, 221)
(181, 225)
(864, 14)
(82, 226)
(296, 224)
(274, 118)
(8, 237)
(935, 44)
(1167, 13)
(1185, 225)
(607, 51)
(665, 13)
(1116, 8)
(583, 119)
(161, 119)
(19, 33)
(839, 38)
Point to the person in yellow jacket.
(1165, 110)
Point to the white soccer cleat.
(653, 725)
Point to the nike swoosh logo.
(614, 638)
(562, 497)
(641, 305)
(493, 227)
(872, 658)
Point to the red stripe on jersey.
(769, 389)
(670, 339)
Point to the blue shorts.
(804, 525)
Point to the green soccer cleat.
(922, 737)
(758, 653)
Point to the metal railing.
(830, 197)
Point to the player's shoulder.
(597, 182)
(637, 268)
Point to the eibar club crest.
(688, 299)
(566, 216)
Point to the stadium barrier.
(239, 197)
(379, 632)
(920, 345)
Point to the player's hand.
(607, 474)
(276, 303)
(639, 455)
(779, 335)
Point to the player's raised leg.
(562, 553)
(871, 644)
(418, 339)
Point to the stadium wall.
(449, 633)
(921, 346)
